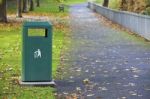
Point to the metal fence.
(137, 23)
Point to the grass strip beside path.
(10, 54)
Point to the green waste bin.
(37, 52)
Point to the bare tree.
(25, 6)
(3, 12)
(19, 10)
(105, 3)
(31, 5)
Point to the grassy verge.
(10, 63)
(70, 2)
(10, 53)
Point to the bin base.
(51, 83)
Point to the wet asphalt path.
(103, 63)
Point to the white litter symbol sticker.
(37, 54)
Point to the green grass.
(10, 53)
(99, 1)
(10, 64)
(114, 4)
(46, 6)
(58, 41)
(70, 2)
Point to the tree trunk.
(31, 5)
(106, 3)
(38, 3)
(19, 10)
(25, 6)
(3, 12)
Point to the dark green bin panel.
(37, 53)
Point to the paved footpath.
(103, 63)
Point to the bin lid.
(37, 24)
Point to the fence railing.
(137, 23)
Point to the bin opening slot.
(37, 32)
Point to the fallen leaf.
(123, 97)
(105, 71)
(71, 77)
(78, 89)
(65, 93)
(86, 81)
(87, 71)
(132, 93)
(135, 76)
(90, 95)
(98, 61)
(102, 88)
(78, 70)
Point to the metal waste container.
(37, 52)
